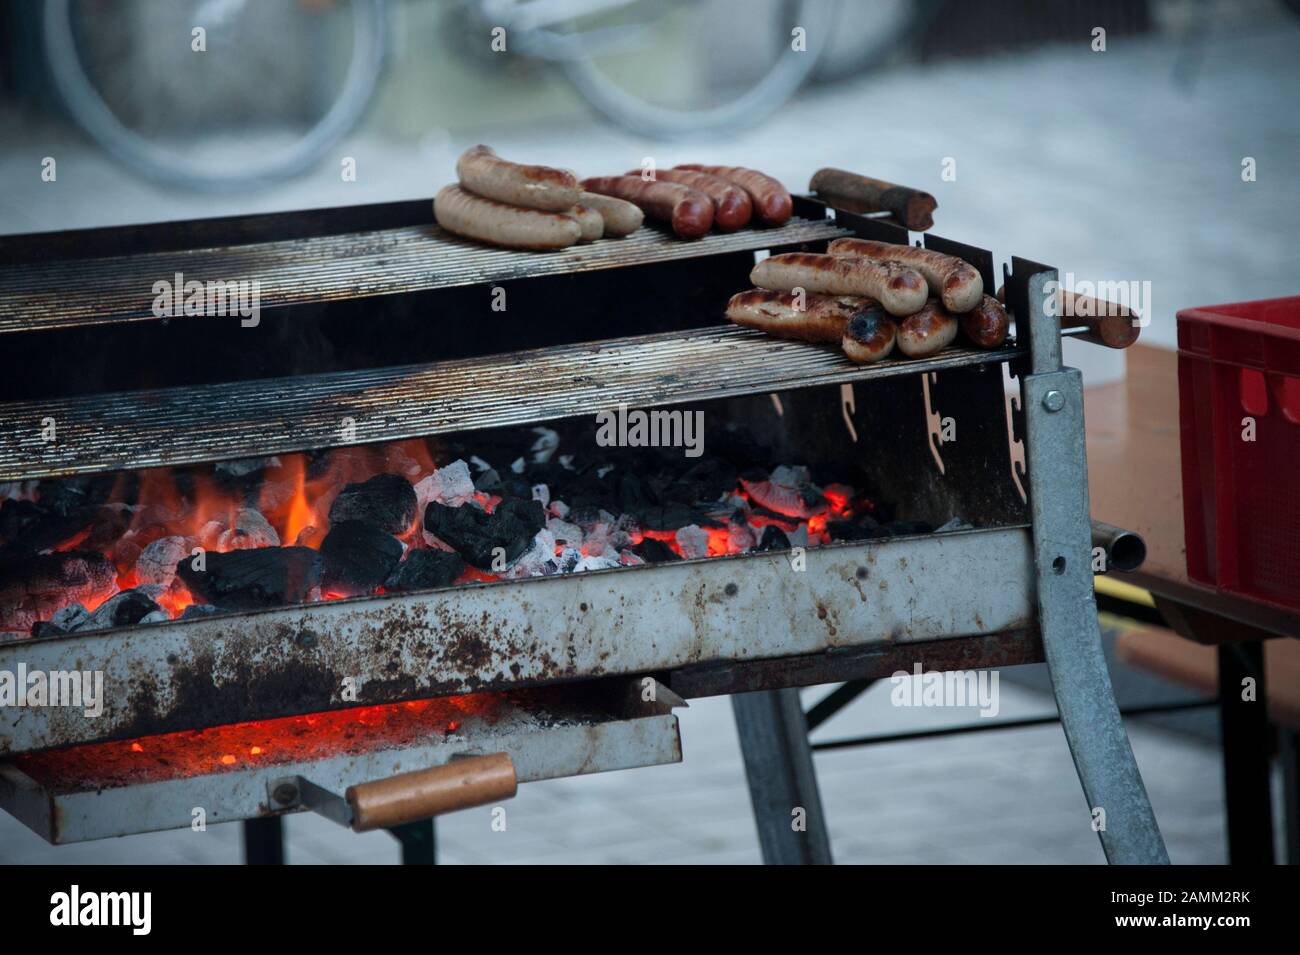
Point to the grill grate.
(273, 416)
(327, 268)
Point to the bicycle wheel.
(206, 139)
(790, 68)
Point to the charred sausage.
(689, 211)
(772, 201)
(954, 280)
(900, 290)
(986, 325)
(869, 336)
(484, 173)
(499, 224)
(822, 318)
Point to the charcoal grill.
(562, 662)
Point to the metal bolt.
(285, 794)
(731, 590)
(1053, 401)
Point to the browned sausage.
(930, 330)
(901, 290)
(955, 280)
(823, 318)
(589, 221)
(772, 202)
(870, 336)
(476, 218)
(689, 211)
(621, 217)
(986, 325)
(732, 207)
(484, 173)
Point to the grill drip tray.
(226, 773)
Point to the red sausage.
(688, 210)
(732, 207)
(772, 201)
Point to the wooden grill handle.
(407, 797)
(851, 192)
(1108, 323)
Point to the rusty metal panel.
(328, 268)
(561, 740)
(230, 668)
(274, 416)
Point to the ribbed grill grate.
(337, 267)
(273, 416)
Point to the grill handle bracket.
(463, 783)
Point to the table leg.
(1246, 753)
(1288, 754)
(418, 841)
(264, 841)
(782, 781)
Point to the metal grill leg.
(1052, 399)
(264, 841)
(782, 781)
(419, 843)
(1246, 753)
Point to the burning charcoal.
(450, 485)
(386, 501)
(157, 562)
(849, 531)
(126, 609)
(158, 616)
(31, 525)
(70, 617)
(248, 579)
(545, 445)
(782, 498)
(539, 560)
(773, 539)
(693, 540)
(357, 557)
(198, 610)
(569, 559)
(310, 537)
(424, 569)
(707, 480)
(629, 559)
(34, 586)
(251, 531)
(671, 517)
(489, 482)
(541, 494)
(565, 532)
(740, 537)
(654, 551)
(45, 628)
(634, 494)
(476, 534)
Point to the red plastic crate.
(1241, 499)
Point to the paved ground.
(994, 797)
(1100, 163)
